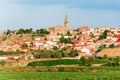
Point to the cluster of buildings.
(84, 39)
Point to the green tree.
(111, 45)
(104, 35)
(4, 38)
(42, 32)
(68, 33)
(73, 53)
(2, 62)
(55, 48)
(58, 55)
(65, 40)
(117, 59)
(101, 47)
(105, 56)
(91, 60)
(8, 32)
(84, 61)
(25, 31)
(24, 45)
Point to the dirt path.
(15, 63)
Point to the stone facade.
(60, 29)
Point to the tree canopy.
(104, 35)
(65, 40)
(25, 31)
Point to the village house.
(109, 35)
(117, 38)
(28, 42)
(38, 42)
(84, 30)
(54, 38)
(114, 30)
(89, 50)
(9, 47)
(84, 37)
(10, 57)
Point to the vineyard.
(61, 62)
(65, 69)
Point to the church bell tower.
(66, 24)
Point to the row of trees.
(25, 31)
(87, 61)
(41, 32)
(112, 61)
(11, 52)
(38, 32)
(103, 46)
(56, 53)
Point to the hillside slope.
(110, 52)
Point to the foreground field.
(60, 76)
(63, 69)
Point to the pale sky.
(15, 14)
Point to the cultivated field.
(64, 69)
(60, 76)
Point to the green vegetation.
(82, 62)
(56, 53)
(73, 53)
(8, 32)
(104, 35)
(60, 76)
(101, 47)
(4, 38)
(54, 62)
(24, 45)
(87, 61)
(47, 54)
(65, 40)
(68, 33)
(64, 69)
(113, 62)
(111, 45)
(11, 52)
(2, 62)
(25, 31)
(41, 32)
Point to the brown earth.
(110, 52)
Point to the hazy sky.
(36, 14)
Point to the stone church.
(60, 29)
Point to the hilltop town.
(60, 40)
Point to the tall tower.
(66, 24)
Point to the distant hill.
(110, 52)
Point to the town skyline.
(16, 14)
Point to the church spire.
(66, 24)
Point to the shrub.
(113, 62)
(111, 45)
(101, 47)
(83, 61)
(90, 60)
(105, 56)
(61, 69)
(2, 63)
(58, 55)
